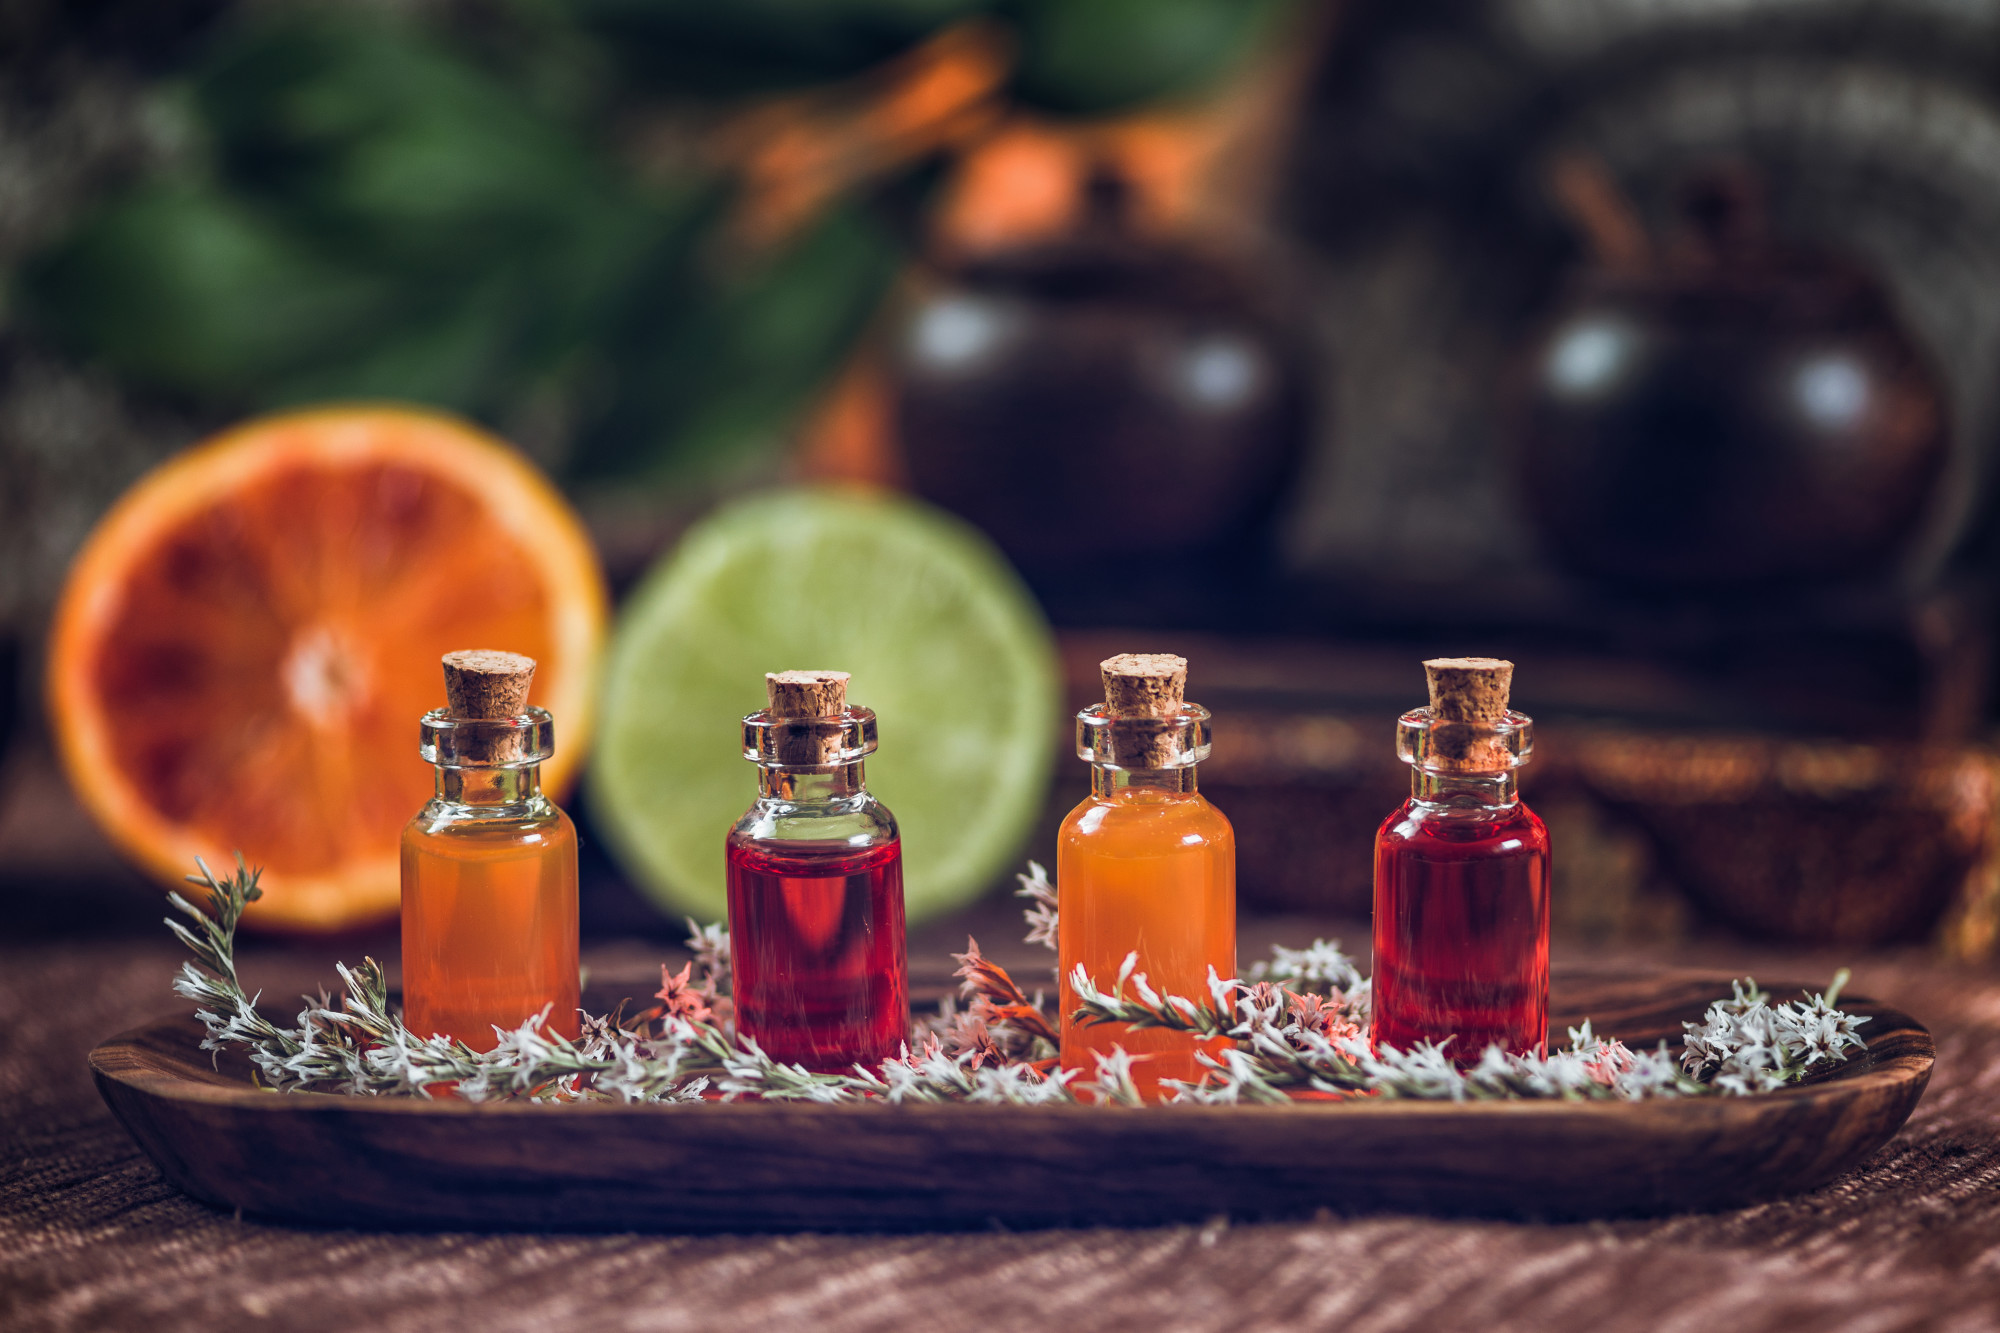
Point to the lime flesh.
(942, 641)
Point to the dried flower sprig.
(1041, 910)
(362, 1047)
(1015, 1024)
(1747, 1044)
(1299, 1024)
(1285, 1041)
(1320, 967)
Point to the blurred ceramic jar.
(1105, 405)
(1738, 416)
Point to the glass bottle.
(1145, 863)
(816, 886)
(489, 866)
(1462, 876)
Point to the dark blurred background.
(1651, 343)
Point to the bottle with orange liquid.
(816, 886)
(1145, 864)
(489, 866)
(1462, 876)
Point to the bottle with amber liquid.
(1145, 864)
(816, 886)
(1462, 876)
(489, 866)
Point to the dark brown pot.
(1102, 400)
(1745, 416)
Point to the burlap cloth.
(92, 1237)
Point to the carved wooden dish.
(328, 1158)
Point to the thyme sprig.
(684, 1049)
(1298, 1024)
(1286, 1040)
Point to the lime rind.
(942, 641)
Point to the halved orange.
(248, 639)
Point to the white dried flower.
(1041, 910)
(1299, 1025)
(1320, 964)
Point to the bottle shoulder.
(441, 815)
(542, 822)
(811, 858)
(1185, 817)
(1514, 828)
(859, 820)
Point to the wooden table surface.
(92, 1237)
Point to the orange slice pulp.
(247, 640)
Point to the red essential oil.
(816, 886)
(817, 950)
(1462, 877)
(1462, 930)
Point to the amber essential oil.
(1144, 864)
(489, 866)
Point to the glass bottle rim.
(1447, 745)
(521, 741)
(767, 741)
(1136, 743)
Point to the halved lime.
(942, 640)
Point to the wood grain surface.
(325, 1158)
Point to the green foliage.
(393, 146)
(380, 217)
(1089, 57)
(186, 288)
(740, 46)
(748, 345)
(372, 211)
(1075, 56)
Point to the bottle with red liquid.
(816, 886)
(1462, 877)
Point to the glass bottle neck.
(805, 786)
(1487, 791)
(486, 787)
(1464, 766)
(1106, 782)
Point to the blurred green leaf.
(379, 216)
(183, 288)
(1088, 57)
(740, 46)
(719, 362)
(455, 355)
(388, 221)
(378, 139)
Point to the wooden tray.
(323, 1158)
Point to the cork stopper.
(801, 694)
(482, 684)
(1144, 692)
(1143, 684)
(813, 701)
(1469, 689)
(1469, 695)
